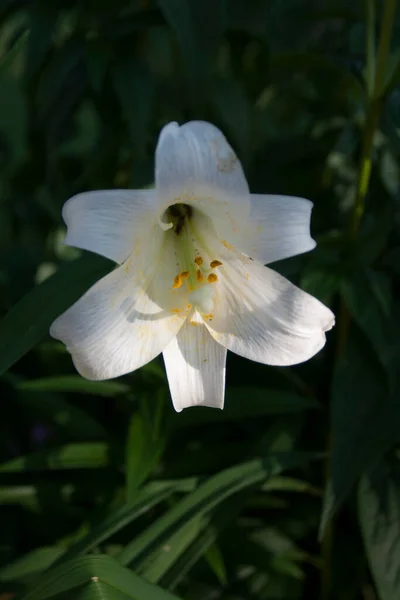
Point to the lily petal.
(127, 318)
(195, 366)
(109, 223)
(282, 228)
(195, 165)
(260, 315)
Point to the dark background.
(293, 491)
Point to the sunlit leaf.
(95, 578)
(74, 456)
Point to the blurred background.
(293, 491)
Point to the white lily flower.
(186, 285)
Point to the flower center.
(178, 215)
(195, 263)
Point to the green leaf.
(373, 237)
(97, 57)
(13, 118)
(321, 283)
(159, 562)
(74, 384)
(73, 456)
(306, 61)
(68, 418)
(216, 561)
(25, 495)
(118, 519)
(135, 91)
(225, 513)
(42, 22)
(235, 111)
(365, 420)
(379, 515)
(206, 497)
(289, 484)
(368, 297)
(33, 562)
(246, 403)
(95, 578)
(54, 94)
(30, 319)
(144, 449)
(198, 27)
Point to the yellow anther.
(199, 276)
(212, 278)
(177, 282)
(227, 245)
(185, 274)
(215, 263)
(176, 310)
(198, 260)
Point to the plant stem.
(370, 47)
(375, 81)
(374, 105)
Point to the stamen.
(177, 282)
(215, 263)
(185, 275)
(199, 276)
(199, 261)
(212, 278)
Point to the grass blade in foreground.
(206, 497)
(100, 577)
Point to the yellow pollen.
(199, 276)
(215, 263)
(212, 278)
(227, 245)
(177, 282)
(185, 274)
(176, 310)
(209, 317)
(198, 260)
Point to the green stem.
(385, 37)
(375, 81)
(370, 47)
(374, 106)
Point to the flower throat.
(178, 215)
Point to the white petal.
(195, 165)
(109, 223)
(282, 228)
(260, 315)
(195, 366)
(127, 318)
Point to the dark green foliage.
(105, 492)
